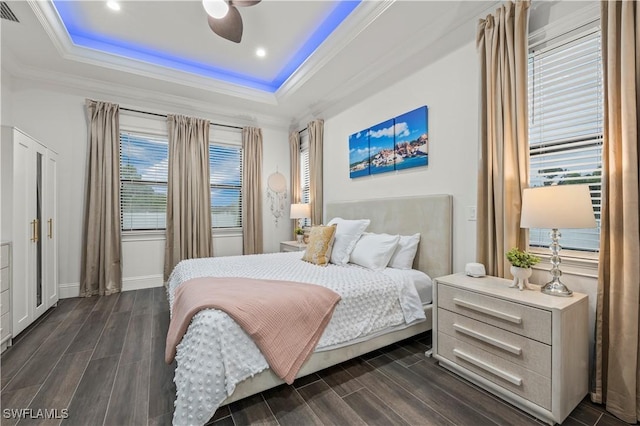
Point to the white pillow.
(373, 251)
(405, 252)
(347, 234)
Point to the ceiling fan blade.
(229, 27)
(244, 3)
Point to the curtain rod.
(165, 116)
(300, 132)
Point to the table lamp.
(300, 211)
(558, 206)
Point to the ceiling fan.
(224, 18)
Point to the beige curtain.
(294, 156)
(252, 233)
(617, 377)
(188, 193)
(503, 169)
(316, 136)
(101, 270)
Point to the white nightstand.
(526, 347)
(292, 246)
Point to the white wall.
(449, 87)
(56, 116)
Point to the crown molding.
(365, 14)
(334, 99)
(50, 20)
(131, 96)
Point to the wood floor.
(102, 359)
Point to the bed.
(431, 216)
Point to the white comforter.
(216, 354)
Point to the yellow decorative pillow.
(320, 244)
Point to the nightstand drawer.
(528, 353)
(4, 302)
(4, 279)
(4, 256)
(508, 375)
(515, 317)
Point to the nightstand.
(292, 246)
(526, 347)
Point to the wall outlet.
(472, 213)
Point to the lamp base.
(556, 288)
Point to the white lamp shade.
(300, 211)
(216, 8)
(558, 206)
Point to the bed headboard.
(430, 215)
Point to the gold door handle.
(34, 230)
(50, 228)
(37, 235)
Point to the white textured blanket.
(216, 354)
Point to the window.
(305, 180)
(225, 162)
(143, 181)
(566, 126)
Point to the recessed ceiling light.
(113, 5)
(261, 53)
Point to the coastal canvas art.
(396, 144)
(359, 154)
(381, 148)
(411, 139)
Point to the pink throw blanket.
(285, 319)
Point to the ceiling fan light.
(216, 8)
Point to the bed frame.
(430, 215)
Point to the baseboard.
(139, 283)
(66, 291)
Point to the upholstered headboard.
(430, 215)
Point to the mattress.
(216, 354)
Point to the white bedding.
(216, 354)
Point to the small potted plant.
(521, 263)
(299, 234)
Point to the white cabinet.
(29, 188)
(526, 347)
(5, 295)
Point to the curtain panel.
(188, 233)
(617, 377)
(503, 169)
(101, 270)
(294, 160)
(316, 137)
(252, 233)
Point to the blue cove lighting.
(84, 38)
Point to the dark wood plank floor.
(102, 359)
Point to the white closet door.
(23, 231)
(39, 301)
(51, 228)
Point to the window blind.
(143, 181)
(225, 162)
(566, 126)
(305, 179)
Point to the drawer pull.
(490, 340)
(492, 312)
(489, 368)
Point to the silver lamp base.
(556, 288)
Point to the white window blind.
(566, 125)
(225, 162)
(143, 181)
(305, 180)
